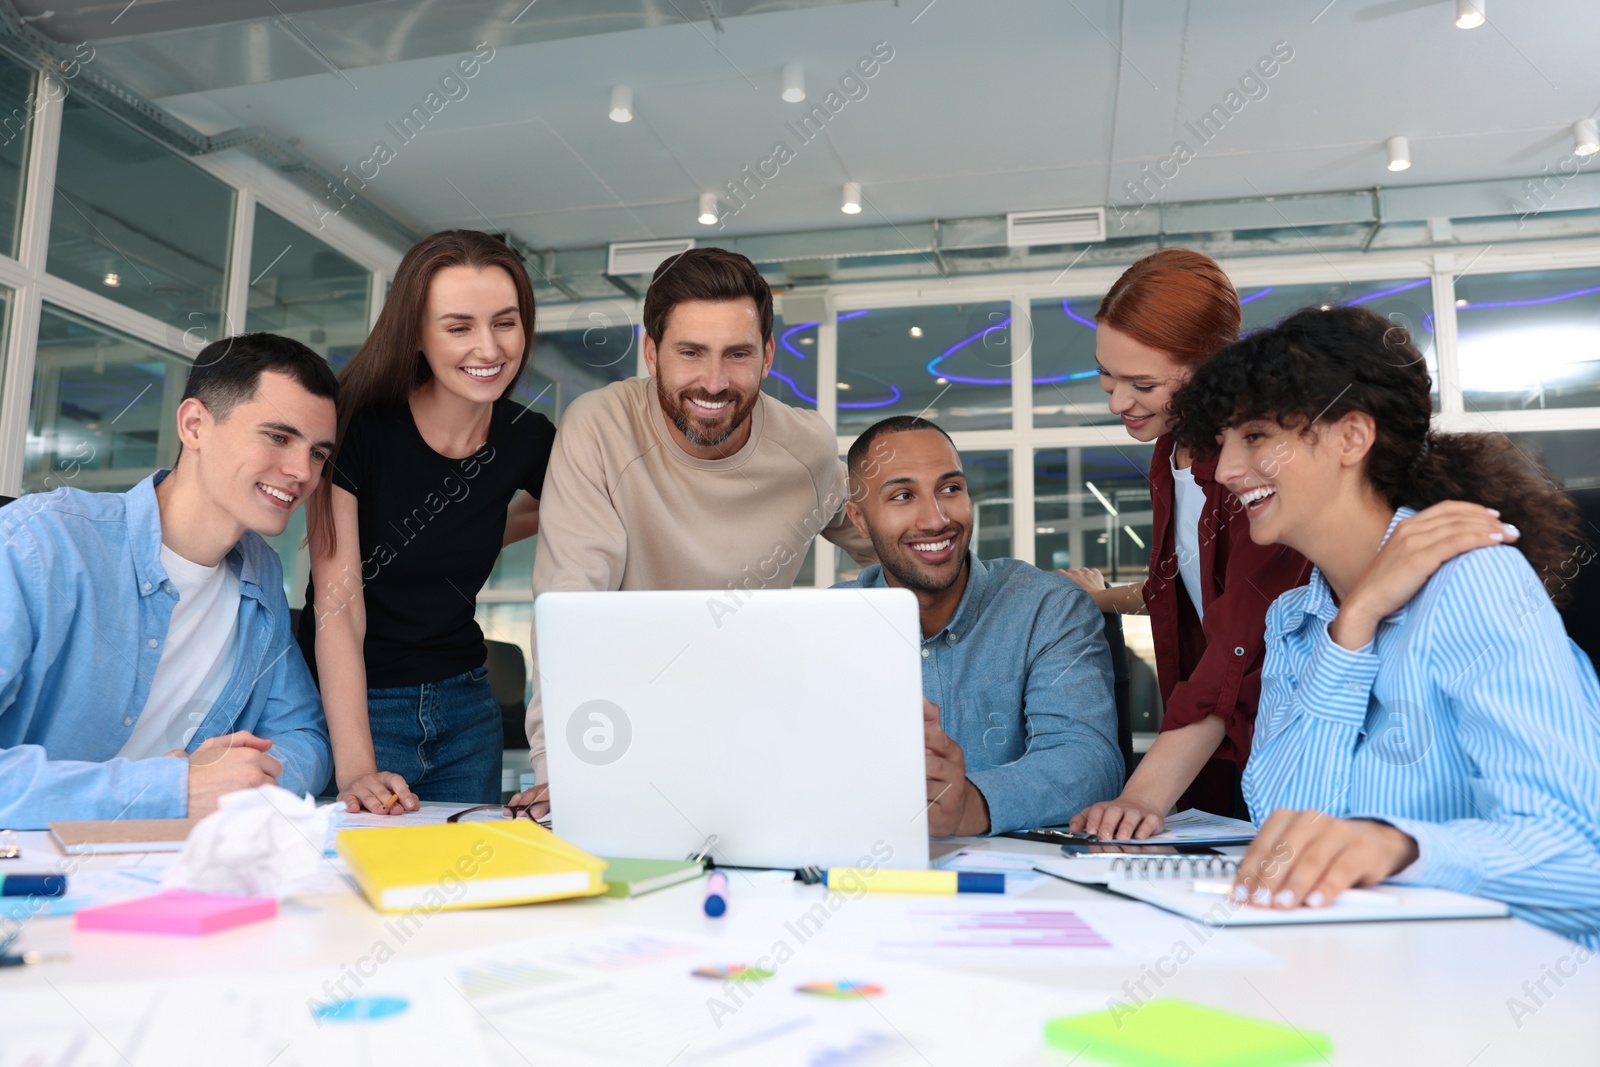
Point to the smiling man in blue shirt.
(1020, 721)
(146, 665)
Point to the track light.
(621, 104)
(708, 209)
(1399, 153)
(851, 204)
(1469, 13)
(794, 83)
(1586, 137)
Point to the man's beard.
(674, 408)
(892, 555)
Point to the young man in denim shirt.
(146, 664)
(1019, 716)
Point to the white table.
(1387, 993)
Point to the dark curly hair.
(1317, 366)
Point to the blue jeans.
(443, 738)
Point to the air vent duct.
(1066, 226)
(643, 257)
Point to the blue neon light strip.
(1529, 303)
(783, 339)
(1075, 317)
(1385, 292)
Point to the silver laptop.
(786, 725)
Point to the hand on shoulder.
(1417, 548)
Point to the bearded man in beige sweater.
(691, 478)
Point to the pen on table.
(33, 885)
(31, 957)
(853, 879)
(1221, 887)
(716, 894)
(392, 798)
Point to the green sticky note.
(1178, 1033)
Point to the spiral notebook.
(1103, 869)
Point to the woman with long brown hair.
(1209, 585)
(406, 527)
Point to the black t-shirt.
(431, 529)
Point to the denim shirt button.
(128, 721)
(146, 587)
(950, 637)
(926, 653)
(151, 642)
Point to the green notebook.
(1179, 1033)
(629, 878)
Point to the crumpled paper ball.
(259, 842)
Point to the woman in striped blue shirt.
(1423, 717)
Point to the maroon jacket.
(1212, 668)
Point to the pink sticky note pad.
(177, 911)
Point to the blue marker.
(33, 885)
(716, 894)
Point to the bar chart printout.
(1012, 928)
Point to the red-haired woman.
(407, 526)
(1209, 585)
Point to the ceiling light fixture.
(1586, 137)
(621, 103)
(1399, 153)
(842, 385)
(708, 209)
(851, 204)
(1469, 13)
(916, 331)
(112, 280)
(794, 83)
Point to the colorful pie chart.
(734, 972)
(842, 989)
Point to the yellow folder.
(467, 865)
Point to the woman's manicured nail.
(1314, 899)
(1263, 896)
(1284, 899)
(1511, 531)
(1241, 894)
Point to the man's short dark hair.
(227, 372)
(705, 274)
(860, 449)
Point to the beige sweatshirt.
(624, 507)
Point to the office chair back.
(508, 679)
(1582, 614)
(1119, 688)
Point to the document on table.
(431, 813)
(638, 995)
(998, 931)
(1194, 827)
(401, 1013)
(138, 876)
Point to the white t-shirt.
(1189, 500)
(197, 660)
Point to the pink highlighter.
(177, 911)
